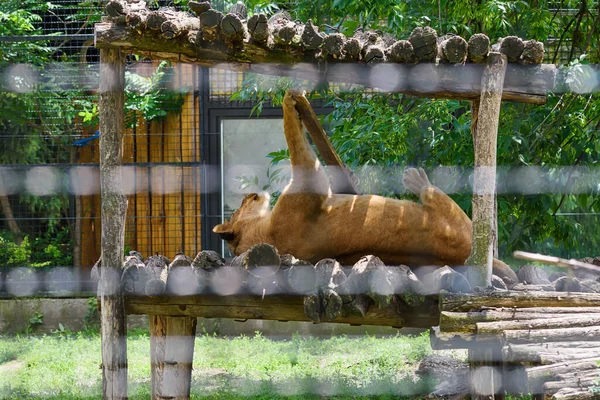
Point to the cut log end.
(258, 28)
(333, 45)
(454, 50)
(312, 307)
(401, 52)
(199, 7)
(118, 9)
(311, 38)
(374, 55)
(233, 28)
(424, 42)
(478, 47)
(352, 49)
(512, 47)
(533, 52)
(261, 260)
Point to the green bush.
(48, 250)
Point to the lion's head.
(241, 232)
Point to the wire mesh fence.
(49, 203)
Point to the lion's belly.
(348, 227)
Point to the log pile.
(207, 27)
(549, 340)
(283, 46)
(367, 292)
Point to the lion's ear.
(224, 230)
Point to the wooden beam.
(496, 299)
(484, 181)
(524, 83)
(114, 207)
(278, 308)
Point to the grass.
(67, 366)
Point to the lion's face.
(237, 231)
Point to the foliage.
(32, 322)
(277, 175)
(46, 250)
(91, 320)
(39, 114)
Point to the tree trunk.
(10, 218)
(484, 181)
(114, 208)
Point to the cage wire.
(50, 183)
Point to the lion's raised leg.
(308, 175)
(440, 203)
(416, 181)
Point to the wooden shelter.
(423, 65)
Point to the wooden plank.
(114, 206)
(157, 188)
(129, 157)
(143, 210)
(497, 327)
(90, 205)
(528, 84)
(190, 137)
(510, 299)
(484, 180)
(553, 335)
(550, 353)
(173, 199)
(467, 321)
(276, 307)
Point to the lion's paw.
(292, 97)
(415, 180)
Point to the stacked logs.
(206, 27)
(329, 289)
(550, 341)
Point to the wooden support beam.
(496, 299)
(484, 181)
(172, 353)
(524, 83)
(114, 207)
(279, 308)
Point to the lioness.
(311, 223)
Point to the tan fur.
(311, 223)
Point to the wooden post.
(475, 104)
(172, 352)
(114, 207)
(484, 181)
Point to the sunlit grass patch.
(68, 367)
